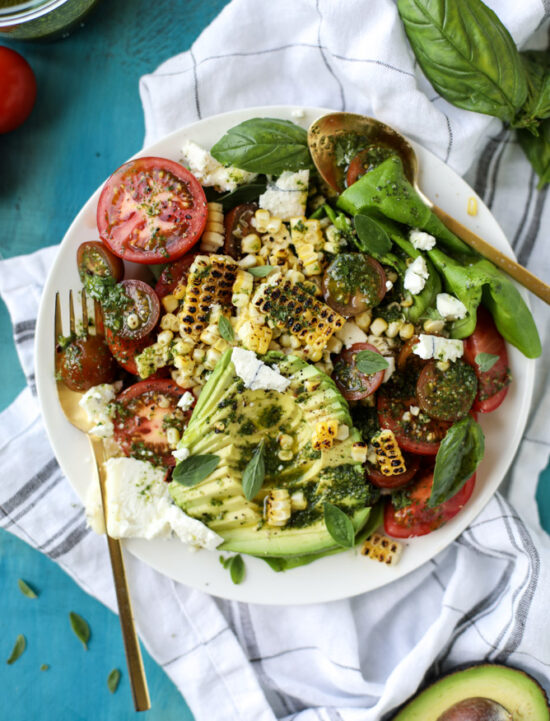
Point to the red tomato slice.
(17, 89)
(446, 395)
(353, 384)
(173, 274)
(151, 210)
(412, 463)
(124, 350)
(144, 412)
(493, 384)
(366, 160)
(417, 519)
(413, 436)
(94, 258)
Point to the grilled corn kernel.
(443, 365)
(170, 303)
(212, 357)
(359, 452)
(165, 337)
(199, 355)
(378, 326)
(298, 501)
(277, 508)
(249, 261)
(286, 441)
(406, 302)
(324, 434)
(406, 331)
(393, 328)
(383, 549)
(251, 243)
(169, 322)
(343, 432)
(261, 219)
(433, 326)
(312, 385)
(285, 455)
(172, 437)
(132, 321)
(363, 320)
(334, 345)
(163, 401)
(210, 335)
(273, 226)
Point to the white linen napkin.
(483, 598)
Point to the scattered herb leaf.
(537, 151)
(339, 525)
(45, 667)
(369, 362)
(485, 361)
(195, 469)
(18, 648)
(260, 271)
(26, 590)
(80, 628)
(242, 194)
(254, 473)
(372, 238)
(113, 679)
(226, 329)
(225, 561)
(236, 569)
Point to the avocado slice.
(514, 690)
(230, 420)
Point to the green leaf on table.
(45, 667)
(80, 628)
(485, 361)
(260, 271)
(467, 54)
(243, 194)
(18, 648)
(195, 469)
(236, 569)
(226, 329)
(26, 590)
(113, 679)
(264, 145)
(369, 362)
(459, 454)
(339, 525)
(371, 236)
(537, 105)
(254, 473)
(537, 150)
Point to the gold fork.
(69, 401)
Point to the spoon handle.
(515, 270)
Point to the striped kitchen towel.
(484, 597)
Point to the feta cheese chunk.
(209, 172)
(350, 333)
(255, 374)
(97, 404)
(139, 506)
(443, 349)
(186, 401)
(450, 307)
(390, 369)
(416, 276)
(286, 197)
(421, 240)
(180, 454)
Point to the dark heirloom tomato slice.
(141, 315)
(173, 274)
(353, 384)
(124, 350)
(493, 384)
(238, 224)
(354, 282)
(94, 258)
(85, 362)
(417, 519)
(446, 395)
(151, 210)
(412, 464)
(144, 413)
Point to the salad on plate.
(293, 373)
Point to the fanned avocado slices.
(230, 421)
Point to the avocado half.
(514, 690)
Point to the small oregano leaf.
(80, 628)
(226, 329)
(236, 569)
(113, 679)
(195, 469)
(26, 590)
(485, 361)
(369, 362)
(18, 648)
(254, 473)
(339, 525)
(260, 271)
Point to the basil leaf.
(18, 648)
(237, 569)
(26, 590)
(485, 361)
(195, 469)
(264, 145)
(113, 679)
(537, 105)
(254, 473)
(372, 237)
(458, 456)
(537, 150)
(260, 271)
(225, 561)
(226, 329)
(369, 362)
(45, 667)
(242, 194)
(80, 628)
(467, 54)
(339, 525)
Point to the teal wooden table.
(87, 120)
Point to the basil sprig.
(339, 525)
(264, 145)
(235, 566)
(459, 454)
(254, 473)
(80, 628)
(369, 362)
(195, 469)
(18, 648)
(485, 361)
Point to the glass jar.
(40, 19)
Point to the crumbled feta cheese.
(255, 374)
(186, 401)
(415, 410)
(298, 113)
(421, 240)
(180, 454)
(416, 276)
(286, 197)
(390, 369)
(450, 307)
(209, 172)
(139, 506)
(97, 403)
(444, 349)
(350, 333)
(389, 285)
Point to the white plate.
(349, 572)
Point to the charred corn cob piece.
(382, 549)
(255, 337)
(324, 435)
(210, 281)
(294, 310)
(388, 454)
(359, 452)
(214, 232)
(277, 507)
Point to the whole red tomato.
(17, 90)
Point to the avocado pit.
(476, 709)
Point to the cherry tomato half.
(493, 384)
(353, 282)
(17, 90)
(151, 210)
(353, 384)
(85, 362)
(238, 224)
(366, 160)
(418, 519)
(144, 413)
(124, 350)
(94, 258)
(446, 395)
(141, 315)
(412, 464)
(171, 276)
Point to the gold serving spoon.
(321, 136)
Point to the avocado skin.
(512, 688)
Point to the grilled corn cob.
(277, 507)
(214, 233)
(324, 435)
(382, 549)
(388, 454)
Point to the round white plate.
(349, 572)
